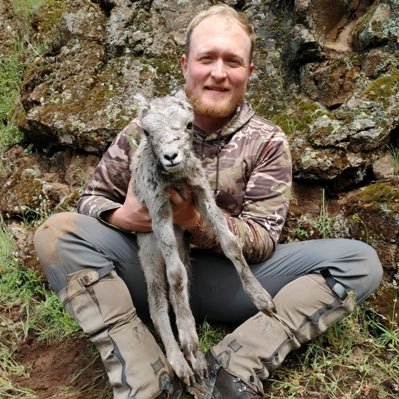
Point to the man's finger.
(175, 197)
(179, 196)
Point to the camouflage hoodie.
(248, 165)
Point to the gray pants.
(79, 242)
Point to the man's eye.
(233, 62)
(206, 59)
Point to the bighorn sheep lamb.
(165, 158)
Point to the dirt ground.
(69, 369)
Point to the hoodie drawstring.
(218, 150)
(217, 165)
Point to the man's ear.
(251, 68)
(183, 64)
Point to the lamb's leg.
(178, 292)
(195, 356)
(154, 271)
(232, 249)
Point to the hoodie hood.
(243, 114)
(210, 145)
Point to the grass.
(209, 335)
(324, 223)
(35, 309)
(357, 356)
(25, 10)
(357, 218)
(11, 71)
(23, 289)
(395, 158)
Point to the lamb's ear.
(142, 104)
(181, 95)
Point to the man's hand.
(131, 216)
(134, 216)
(185, 214)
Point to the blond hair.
(222, 10)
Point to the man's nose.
(218, 71)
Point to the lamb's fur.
(164, 158)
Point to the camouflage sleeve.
(265, 204)
(108, 185)
(257, 243)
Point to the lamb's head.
(167, 123)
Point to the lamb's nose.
(170, 157)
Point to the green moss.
(381, 89)
(380, 195)
(355, 58)
(298, 115)
(142, 18)
(93, 101)
(167, 73)
(366, 20)
(21, 193)
(286, 122)
(49, 16)
(11, 71)
(35, 74)
(324, 131)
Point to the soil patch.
(61, 370)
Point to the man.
(91, 261)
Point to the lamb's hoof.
(199, 365)
(182, 369)
(188, 338)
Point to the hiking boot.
(171, 388)
(220, 384)
(227, 386)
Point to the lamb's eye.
(189, 126)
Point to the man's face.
(218, 67)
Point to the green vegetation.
(324, 223)
(11, 70)
(209, 336)
(357, 219)
(357, 358)
(10, 75)
(380, 196)
(301, 233)
(25, 10)
(23, 288)
(359, 354)
(383, 88)
(299, 116)
(37, 309)
(395, 158)
(365, 21)
(50, 15)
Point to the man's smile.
(217, 89)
